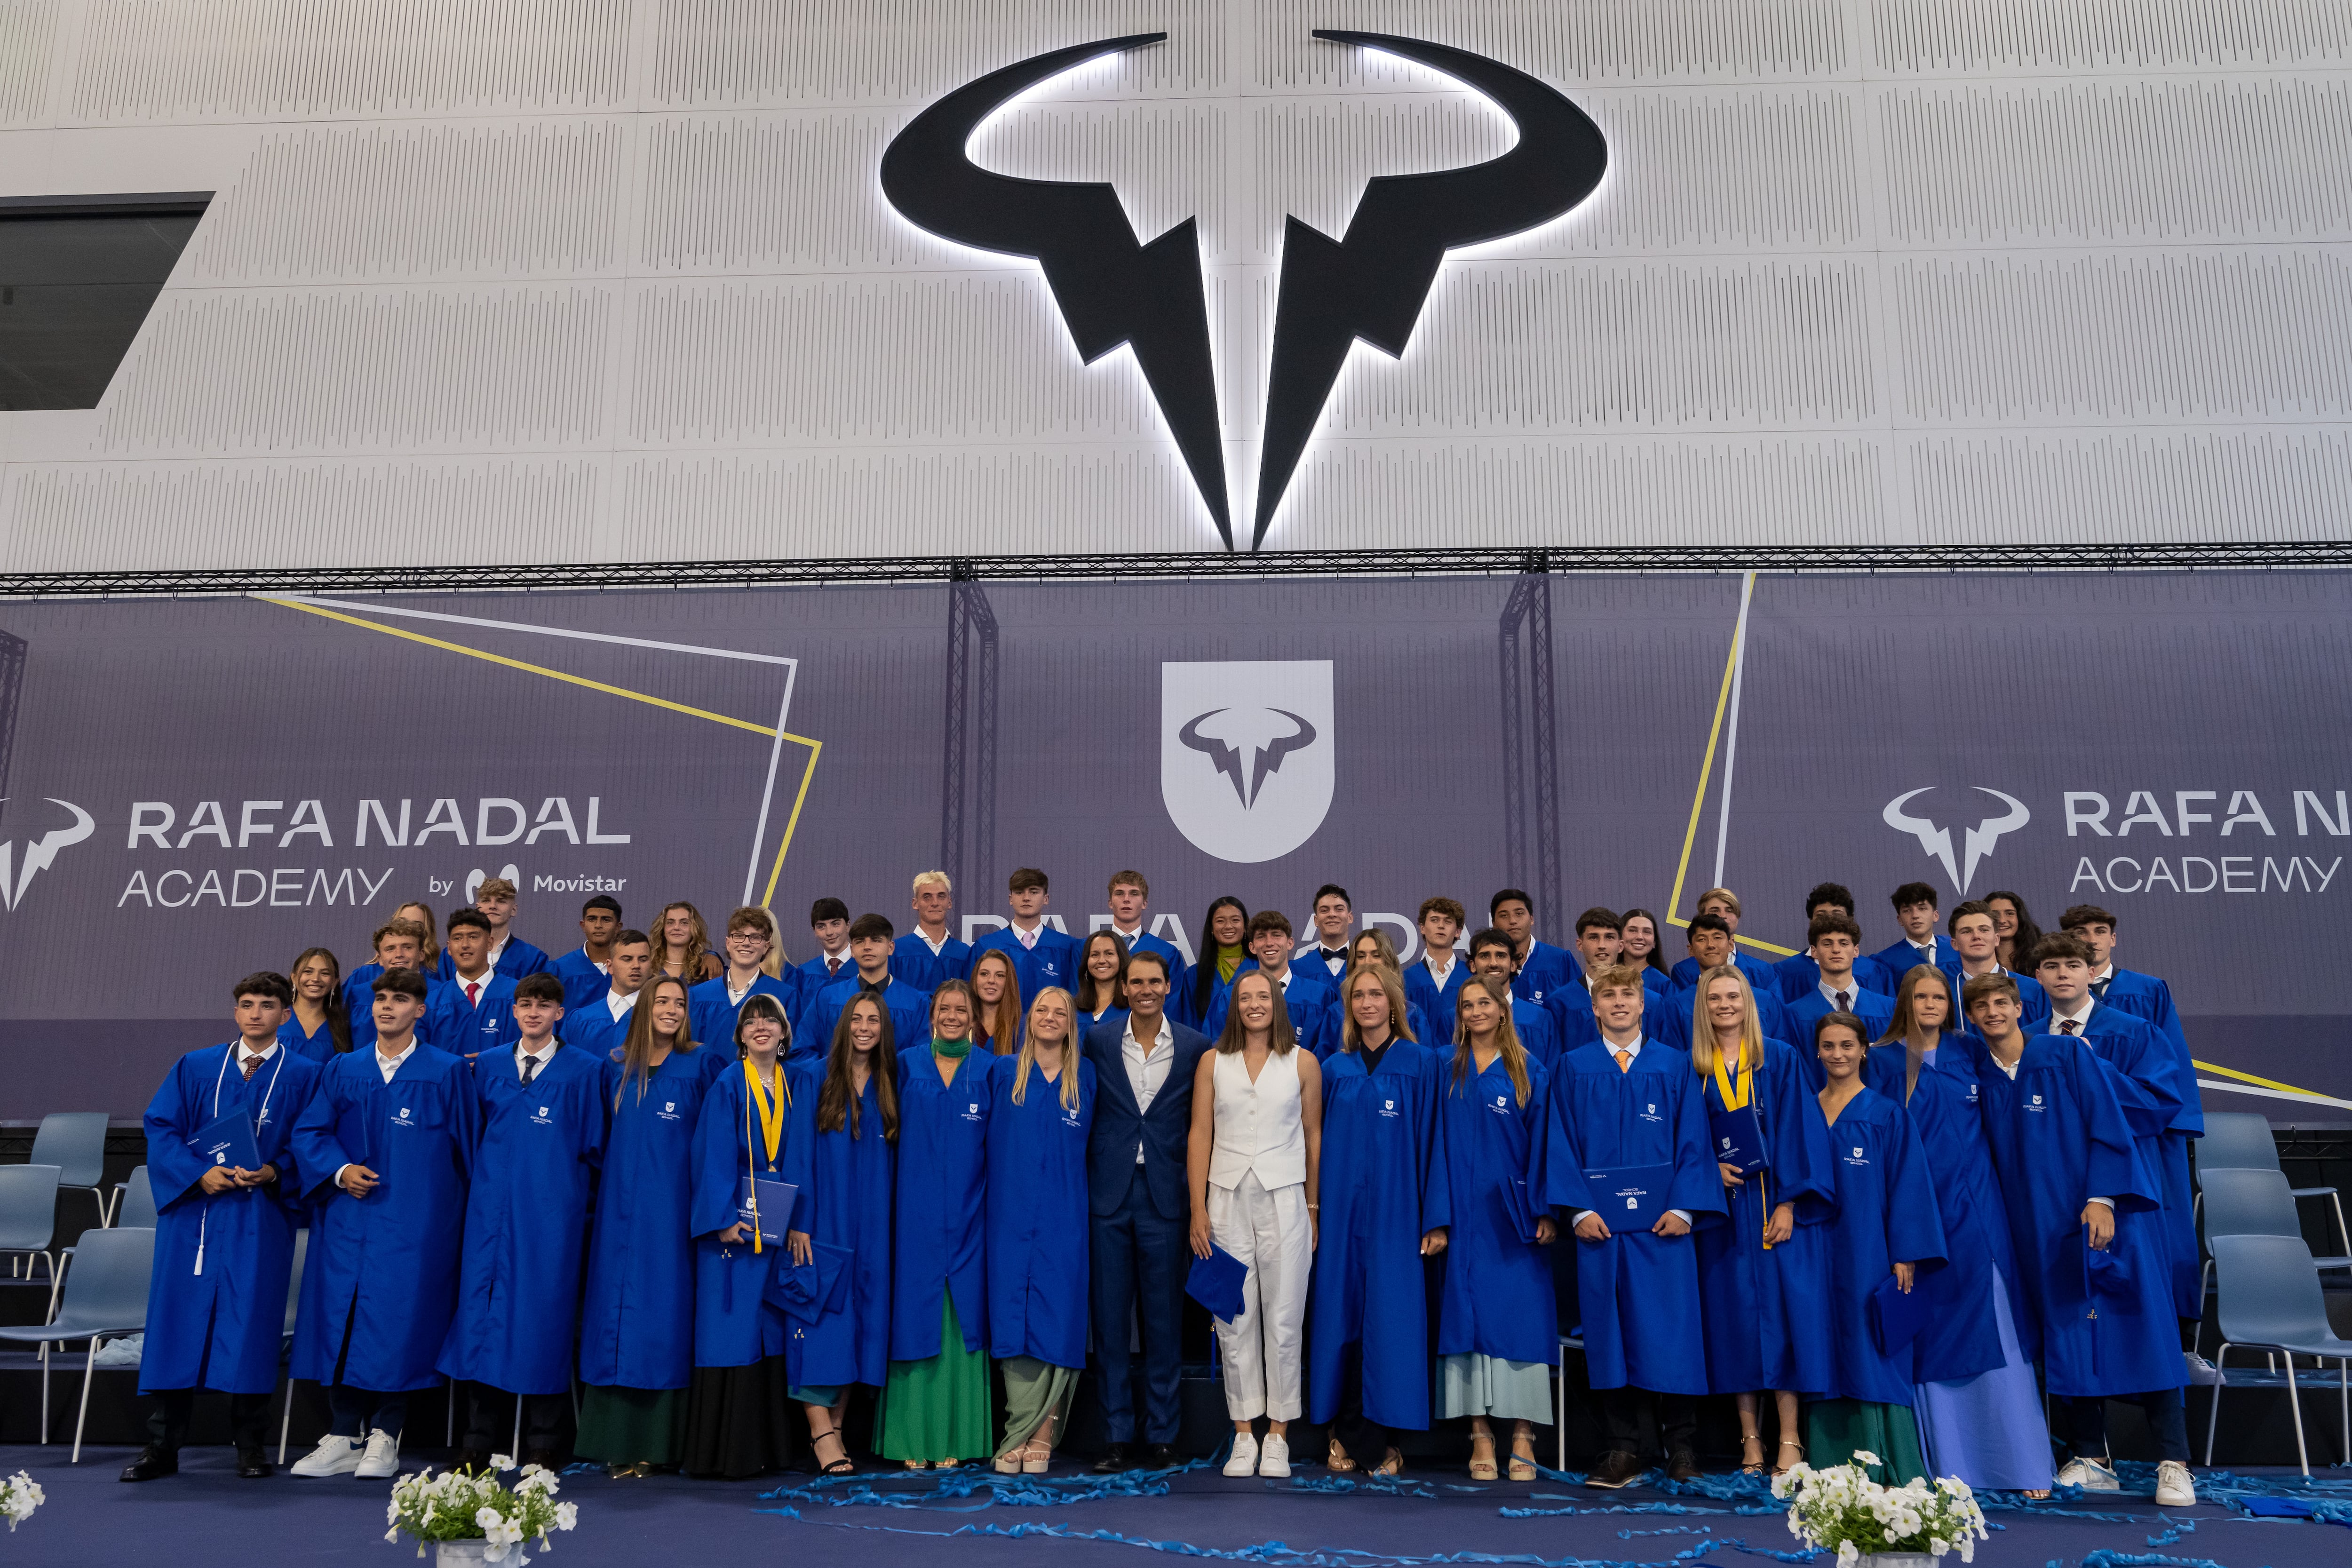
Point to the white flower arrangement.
(19, 1496)
(1841, 1508)
(466, 1505)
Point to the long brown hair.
(1002, 1032)
(637, 1051)
(1919, 974)
(339, 1016)
(1089, 1003)
(1506, 1038)
(836, 1103)
(698, 944)
(1704, 1055)
(1028, 1058)
(1399, 1021)
(1281, 1033)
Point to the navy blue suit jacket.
(1165, 1132)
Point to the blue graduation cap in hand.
(1217, 1283)
(1901, 1313)
(809, 1290)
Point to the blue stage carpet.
(205, 1518)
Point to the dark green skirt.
(630, 1425)
(937, 1408)
(1836, 1429)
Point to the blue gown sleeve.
(1914, 1226)
(317, 1147)
(1564, 1185)
(799, 1163)
(1436, 1188)
(2112, 1168)
(173, 1172)
(1697, 1186)
(1802, 1171)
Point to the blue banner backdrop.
(196, 789)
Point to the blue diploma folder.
(227, 1141)
(1900, 1316)
(1739, 1139)
(775, 1206)
(1217, 1283)
(1631, 1197)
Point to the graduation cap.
(2107, 1279)
(809, 1290)
(1217, 1283)
(1901, 1313)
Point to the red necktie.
(832, 968)
(473, 993)
(250, 1064)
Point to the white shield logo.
(1245, 754)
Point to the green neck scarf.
(954, 1050)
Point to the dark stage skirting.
(206, 1516)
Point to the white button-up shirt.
(1147, 1068)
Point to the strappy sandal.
(1338, 1459)
(1779, 1470)
(1393, 1465)
(844, 1465)
(1749, 1466)
(1037, 1457)
(1523, 1467)
(1483, 1469)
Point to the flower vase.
(460, 1554)
(1868, 1559)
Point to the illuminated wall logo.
(1370, 284)
(1938, 840)
(1245, 754)
(17, 876)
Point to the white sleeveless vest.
(1257, 1127)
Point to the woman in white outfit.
(1257, 1137)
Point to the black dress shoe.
(1617, 1468)
(545, 1458)
(475, 1460)
(1160, 1457)
(1682, 1465)
(152, 1464)
(1113, 1461)
(252, 1467)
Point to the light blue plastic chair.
(2251, 1203)
(106, 1300)
(75, 1142)
(2242, 1140)
(134, 1201)
(286, 1345)
(2270, 1301)
(29, 1223)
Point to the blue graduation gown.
(1382, 1188)
(1436, 1002)
(1900, 958)
(1800, 973)
(2032, 1001)
(515, 959)
(1314, 1009)
(1886, 1214)
(1761, 976)
(942, 1187)
(2149, 999)
(2165, 1081)
(1497, 1298)
(913, 962)
(433, 1025)
(710, 1013)
(844, 1200)
(1805, 1014)
(1638, 1291)
(1545, 970)
(464, 1029)
(1114, 1016)
(584, 982)
(909, 1010)
(1539, 1032)
(1037, 1221)
(734, 1324)
(1053, 962)
(1763, 1306)
(594, 1031)
(386, 1264)
(2059, 1136)
(216, 1297)
(319, 1046)
(527, 1217)
(1946, 1108)
(637, 1312)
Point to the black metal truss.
(1529, 610)
(11, 692)
(1476, 560)
(970, 728)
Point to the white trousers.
(1260, 1349)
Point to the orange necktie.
(1625, 1061)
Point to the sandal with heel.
(1779, 1470)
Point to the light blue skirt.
(1987, 1430)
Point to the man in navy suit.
(1140, 1209)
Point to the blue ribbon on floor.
(1278, 1554)
(971, 1488)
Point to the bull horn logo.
(1228, 758)
(15, 877)
(1938, 840)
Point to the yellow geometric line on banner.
(2249, 1077)
(808, 773)
(1699, 802)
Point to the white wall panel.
(542, 279)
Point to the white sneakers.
(1245, 1460)
(1273, 1457)
(1256, 1457)
(382, 1458)
(2202, 1373)
(333, 1457)
(2090, 1474)
(2174, 1486)
(378, 1460)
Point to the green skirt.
(630, 1425)
(1836, 1429)
(937, 1408)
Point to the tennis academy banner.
(196, 789)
